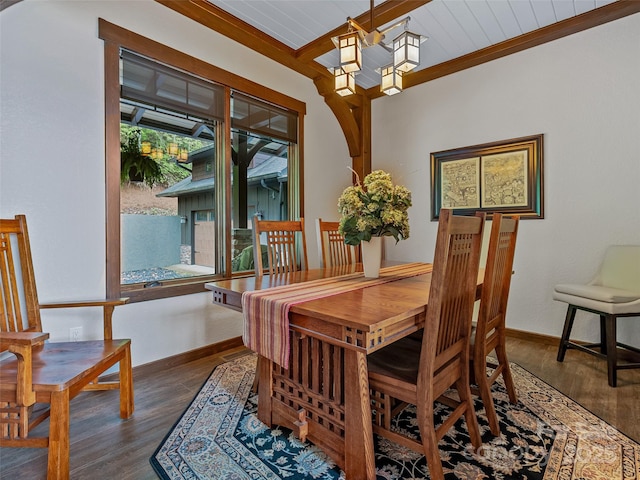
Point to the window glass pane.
(260, 185)
(167, 213)
(174, 215)
(260, 117)
(145, 80)
(167, 137)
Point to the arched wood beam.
(354, 116)
(342, 112)
(361, 164)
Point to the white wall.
(582, 92)
(52, 158)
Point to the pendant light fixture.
(344, 82)
(405, 51)
(350, 47)
(390, 80)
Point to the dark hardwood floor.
(103, 446)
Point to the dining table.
(315, 380)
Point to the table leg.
(265, 385)
(359, 453)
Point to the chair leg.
(126, 385)
(484, 389)
(464, 391)
(503, 362)
(430, 442)
(603, 334)
(58, 459)
(566, 332)
(612, 350)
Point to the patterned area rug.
(545, 436)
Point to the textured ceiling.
(454, 27)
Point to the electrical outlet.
(75, 333)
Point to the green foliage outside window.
(161, 170)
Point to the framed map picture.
(460, 183)
(503, 176)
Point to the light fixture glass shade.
(184, 155)
(350, 48)
(391, 80)
(344, 82)
(146, 148)
(406, 51)
(173, 149)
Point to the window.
(263, 137)
(195, 160)
(168, 126)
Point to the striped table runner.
(266, 312)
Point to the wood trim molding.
(186, 357)
(236, 342)
(112, 166)
(145, 46)
(532, 337)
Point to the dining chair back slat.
(332, 250)
(19, 300)
(286, 246)
(490, 327)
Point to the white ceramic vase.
(371, 257)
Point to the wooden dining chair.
(286, 246)
(418, 373)
(332, 251)
(41, 372)
(489, 332)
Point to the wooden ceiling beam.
(592, 18)
(241, 32)
(343, 112)
(383, 14)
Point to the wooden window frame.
(115, 38)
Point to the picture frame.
(504, 176)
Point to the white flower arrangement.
(375, 209)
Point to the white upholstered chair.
(614, 292)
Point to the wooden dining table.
(323, 395)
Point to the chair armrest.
(107, 304)
(21, 345)
(9, 339)
(86, 303)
